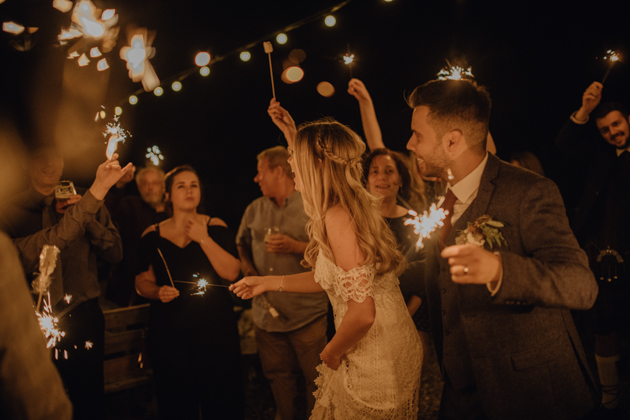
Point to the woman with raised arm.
(194, 344)
(371, 367)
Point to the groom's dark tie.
(449, 202)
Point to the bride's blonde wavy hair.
(327, 157)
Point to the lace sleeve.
(355, 284)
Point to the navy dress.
(194, 343)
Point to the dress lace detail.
(379, 377)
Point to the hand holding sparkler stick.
(248, 287)
(269, 49)
(590, 99)
(107, 175)
(282, 119)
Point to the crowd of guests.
(328, 243)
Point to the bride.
(371, 367)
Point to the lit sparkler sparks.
(348, 59)
(612, 58)
(92, 28)
(137, 56)
(48, 325)
(427, 223)
(117, 134)
(154, 155)
(201, 286)
(455, 73)
(89, 345)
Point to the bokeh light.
(281, 38)
(118, 110)
(102, 64)
(108, 14)
(292, 75)
(158, 91)
(103, 114)
(297, 55)
(94, 52)
(133, 99)
(177, 86)
(202, 59)
(245, 56)
(12, 28)
(325, 89)
(330, 21)
(204, 71)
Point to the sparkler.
(612, 58)
(117, 134)
(87, 24)
(137, 56)
(166, 266)
(455, 73)
(269, 49)
(348, 59)
(47, 264)
(154, 155)
(48, 325)
(427, 223)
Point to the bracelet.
(280, 289)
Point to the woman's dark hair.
(168, 183)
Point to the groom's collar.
(466, 189)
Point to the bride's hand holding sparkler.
(107, 174)
(249, 287)
(283, 120)
(590, 99)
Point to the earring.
(449, 173)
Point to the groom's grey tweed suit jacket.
(520, 347)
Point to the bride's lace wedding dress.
(378, 378)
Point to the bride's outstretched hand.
(249, 287)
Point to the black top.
(189, 313)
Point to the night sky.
(536, 58)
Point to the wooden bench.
(125, 337)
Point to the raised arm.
(283, 120)
(372, 130)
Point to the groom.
(500, 316)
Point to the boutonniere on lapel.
(482, 230)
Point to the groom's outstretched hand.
(471, 264)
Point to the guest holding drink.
(193, 338)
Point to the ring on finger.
(465, 270)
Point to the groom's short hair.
(456, 104)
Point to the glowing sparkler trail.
(455, 73)
(48, 325)
(612, 58)
(427, 223)
(117, 134)
(154, 155)
(201, 286)
(348, 59)
(92, 28)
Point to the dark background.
(536, 58)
